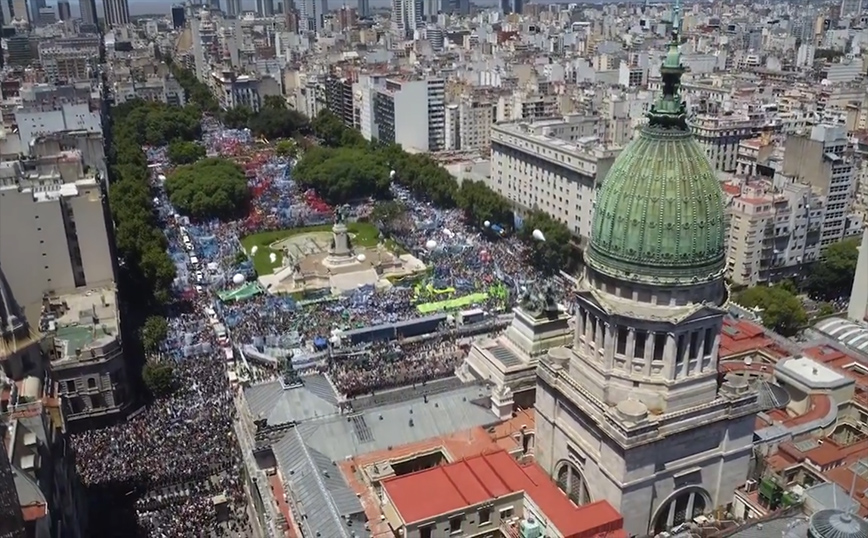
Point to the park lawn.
(363, 234)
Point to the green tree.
(210, 188)
(153, 332)
(274, 102)
(286, 148)
(274, 123)
(343, 175)
(331, 130)
(832, 277)
(387, 210)
(556, 252)
(184, 152)
(779, 309)
(159, 378)
(198, 93)
(237, 117)
(482, 204)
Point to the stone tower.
(634, 413)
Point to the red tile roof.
(451, 488)
(741, 336)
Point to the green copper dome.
(658, 215)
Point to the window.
(455, 524)
(485, 516)
(639, 344)
(622, 341)
(426, 532)
(70, 386)
(506, 513)
(91, 383)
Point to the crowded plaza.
(182, 448)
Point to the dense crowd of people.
(390, 365)
(183, 447)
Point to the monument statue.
(339, 215)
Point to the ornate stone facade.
(634, 412)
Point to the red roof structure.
(425, 495)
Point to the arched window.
(683, 505)
(571, 481)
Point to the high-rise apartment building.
(117, 12)
(396, 104)
(309, 15)
(70, 59)
(720, 135)
(364, 8)
(774, 229)
(824, 160)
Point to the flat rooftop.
(81, 320)
(811, 373)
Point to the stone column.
(609, 349)
(590, 347)
(669, 358)
(599, 340)
(685, 366)
(700, 352)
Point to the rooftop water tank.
(837, 524)
(530, 528)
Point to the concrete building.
(634, 412)
(52, 503)
(533, 169)
(824, 160)
(397, 103)
(484, 495)
(87, 356)
(117, 12)
(53, 234)
(234, 90)
(49, 109)
(774, 230)
(69, 62)
(720, 135)
(165, 89)
(858, 308)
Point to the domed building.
(633, 413)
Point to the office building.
(89, 13)
(179, 17)
(265, 8)
(35, 6)
(64, 12)
(364, 8)
(533, 168)
(117, 12)
(396, 105)
(641, 379)
(20, 50)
